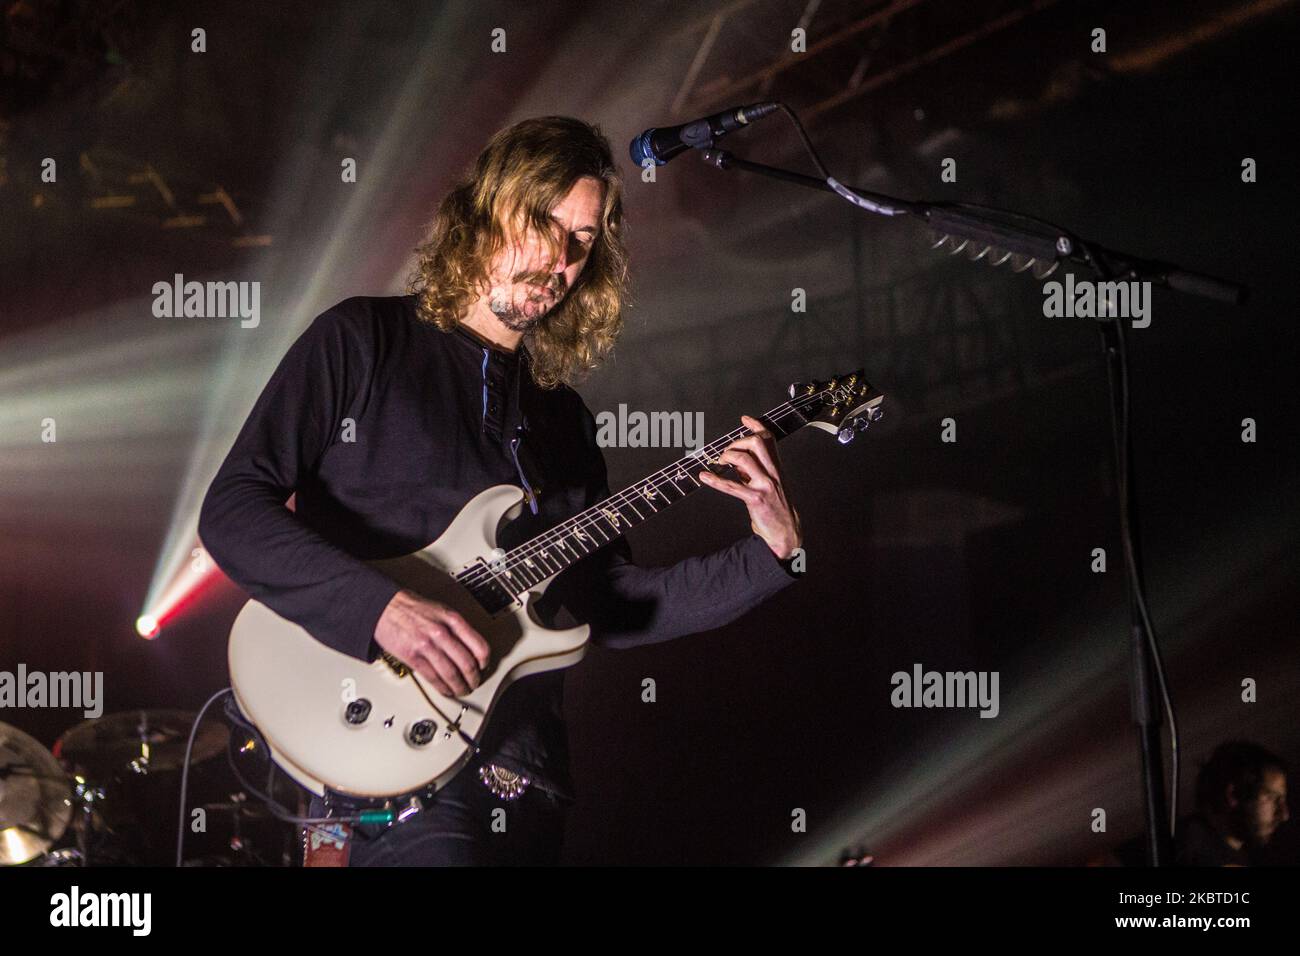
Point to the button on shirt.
(383, 426)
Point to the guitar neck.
(571, 540)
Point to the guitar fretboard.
(496, 583)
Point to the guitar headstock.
(842, 406)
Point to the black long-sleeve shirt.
(384, 426)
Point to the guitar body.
(306, 698)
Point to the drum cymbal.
(35, 797)
(140, 741)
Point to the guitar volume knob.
(357, 712)
(421, 732)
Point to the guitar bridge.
(397, 667)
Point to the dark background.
(973, 555)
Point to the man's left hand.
(770, 514)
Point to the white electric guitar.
(378, 730)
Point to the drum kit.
(107, 794)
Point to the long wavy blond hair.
(522, 174)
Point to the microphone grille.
(640, 150)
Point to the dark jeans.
(456, 828)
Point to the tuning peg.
(845, 435)
(862, 424)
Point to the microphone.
(661, 145)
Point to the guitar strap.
(525, 456)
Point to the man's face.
(523, 285)
(1261, 816)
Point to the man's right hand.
(434, 641)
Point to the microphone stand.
(1037, 241)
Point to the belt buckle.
(504, 783)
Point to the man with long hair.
(388, 414)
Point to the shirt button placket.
(495, 387)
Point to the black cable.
(803, 135)
(1121, 418)
(881, 205)
(1135, 581)
(185, 770)
(278, 810)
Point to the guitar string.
(590, 516)
(479, 574)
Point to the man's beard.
(517, 319)
(512, 318)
